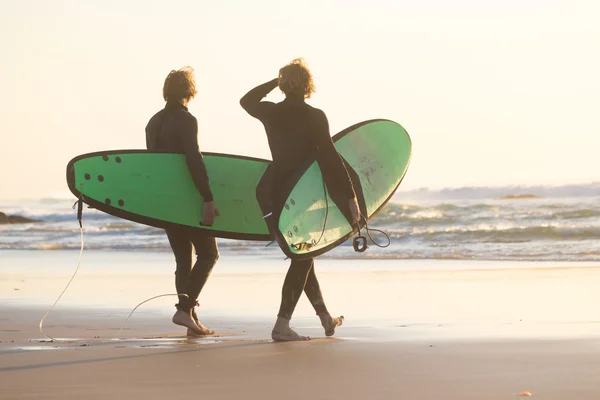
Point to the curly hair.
(180, 85)
(296, 79)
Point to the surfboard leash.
(326, 212)
(360, 242)
(145, 301)
(79, 204)
(307, 245)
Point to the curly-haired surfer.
(296, 133)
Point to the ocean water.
(559, 224)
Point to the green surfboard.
(312, 221)
(156, 189)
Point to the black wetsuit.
(298, 133)
(175, 130)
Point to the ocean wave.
(501, 234)
(393, 212)
(591, 189)
(578, 214)
(438, 227)
(444, 214)
(586, 189)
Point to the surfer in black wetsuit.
(296, 133)
(174, 130)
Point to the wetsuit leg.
(207, 254)
(313, 292)
(182, 249)
(293, 286)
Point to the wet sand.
(238, 364)
(413, 331)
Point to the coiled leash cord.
(360, 242)
(79, 204)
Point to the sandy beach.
(467, 129)
(320, 369)
(414, 330)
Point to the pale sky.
(492, 93)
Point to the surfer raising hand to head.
(296, 133)
(174, 130)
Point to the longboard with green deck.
(311, 220)
(156, 189)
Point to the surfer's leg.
(207, 254)
(182, 249)
(313, 292)
(293, 287)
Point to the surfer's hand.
(354, 210)
(208, 213)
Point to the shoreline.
(231, 367)
(258, 252)
(549, 229)
(231, 252)
(414, 329)
(384, 299)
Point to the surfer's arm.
(330, 161)
(194, 159)
(251, 102)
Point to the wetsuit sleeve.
(194, 159)
(251, 102)
(329, 159)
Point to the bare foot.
(205, 330)
(287, 335)
(185, 319)
(329, 323)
